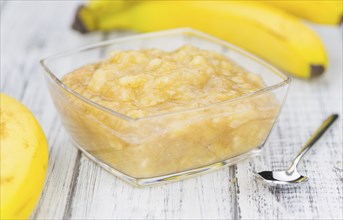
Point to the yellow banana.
(266, 31)
(24, 159)
(319, 11)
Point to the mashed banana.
(177, 103)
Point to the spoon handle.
(313, 139)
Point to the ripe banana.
(266, 31)
(24, 159)
(320, 11)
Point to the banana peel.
(319, 11)
(87, 16)
(24, 160)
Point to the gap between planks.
(76, 172)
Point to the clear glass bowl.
(170, 146)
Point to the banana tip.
(77, 23)
(317, 70)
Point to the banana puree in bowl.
(150, 115)
(150, 82)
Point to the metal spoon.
(291, 175)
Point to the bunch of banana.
(24, 160)
(274, 35)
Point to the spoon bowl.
(282, 177)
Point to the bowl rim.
(286, 79)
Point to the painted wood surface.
(76, 188)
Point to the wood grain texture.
(308, 104)
(76, 188)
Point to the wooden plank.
(24, 41)
(2, 4)
(308, 104)
(205, 197)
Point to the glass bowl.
(174, 145)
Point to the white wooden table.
(76, 188)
